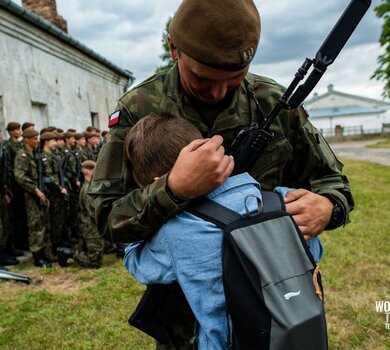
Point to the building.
(48, 77)
(349, 114)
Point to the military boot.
(7, 259)
(63, 254)
(40, 260)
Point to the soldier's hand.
(64, 191)
(200, 167)
(40, 195)
(310, 211)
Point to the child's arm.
(149, 262)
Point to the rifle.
(41, 179)
(249, 144)
(4, 274)
(4, 165)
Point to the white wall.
(47, 81)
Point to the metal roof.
(50, 28)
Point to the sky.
(129, 34)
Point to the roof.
(50, 28)
(344, 111)
(343, 94)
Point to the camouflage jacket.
(87, 213)
(50, 170)
(298, 156)
(26, 173)
(13, 149)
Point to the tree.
(166, 57)
(383, 71)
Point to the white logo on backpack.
(287, 296)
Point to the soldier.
(94, 244)
(27, 126)
(56, 191)
(5, 198)
(88, 152)
(28, 174)
(211, 86)
(16, 208)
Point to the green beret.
(88, 164)
(28, 134)
(69, 134)
(13, 126)
(223, 34)
(79, 135)
(48, 135)
(59, 135)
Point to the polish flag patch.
(114, 119)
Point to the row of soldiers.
(44, 206)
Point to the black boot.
(7, 259)
(15, 252)
(63, 254)
(40, 260)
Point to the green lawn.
(75, 308)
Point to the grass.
(381, 144)
(75, 308)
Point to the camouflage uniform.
(298, 156)
(16, 209)
(26, 174)
(56, 198)
(94, 243)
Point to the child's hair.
(153, 144)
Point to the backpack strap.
(222, 216)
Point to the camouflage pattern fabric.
(298, 157)
(4, 223)
(94, 243)
(37, 215)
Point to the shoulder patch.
(114, 119)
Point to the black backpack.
(272, 284)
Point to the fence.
(357, 130)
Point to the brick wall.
(46, 9)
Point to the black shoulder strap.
(221, 216)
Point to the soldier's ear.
(172, 48)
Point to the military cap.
(222, 34)
(79, 135)
(13, 126)
(27, 125)
(48, 135)
(72, 130)
(60, 131)
(88, 135)
(69, 134)
(88, 164)
(59, 135)
(28, 134)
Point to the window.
(95, 120)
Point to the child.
(186, 249)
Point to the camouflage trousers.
(4, 223)
(37, 223)
(94, 246)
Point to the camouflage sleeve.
(315, 166)
(136, 214)
(21, 173)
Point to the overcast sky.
(129, 34)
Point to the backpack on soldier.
(272, 284)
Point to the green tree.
(166, 57)
(383, 71)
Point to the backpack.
(272, 284)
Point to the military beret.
(69, 134)
(60, 131)
(28, 134)
(47, 135)
(59, 135)
(79, 136)
(88, 164)
(27, 125)
(13, 126)
(223, 34)
(88, 135)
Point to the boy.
(186, 249)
